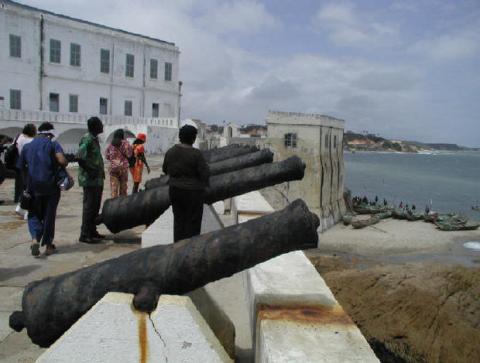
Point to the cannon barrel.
(227, 152)
(224, 166)
(145, 207)
(52, 305)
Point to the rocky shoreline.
(414, 299)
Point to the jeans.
(187, 206)
(92, 198)
(41, 219)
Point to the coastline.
(392, 236)
(411, 289)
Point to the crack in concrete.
(159, 335)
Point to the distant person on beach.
(91, 176)
(189, 176)
(118, 153)
(140, 160)
(40, 160)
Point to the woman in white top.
(28, 133)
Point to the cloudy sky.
(405, 69)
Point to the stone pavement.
(18, 267)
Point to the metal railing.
(72, 118)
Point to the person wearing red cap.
(140, 160)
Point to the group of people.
(122, 157)
(41, 175)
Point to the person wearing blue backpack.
(40, 160)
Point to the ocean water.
(449, 182)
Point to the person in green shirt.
(91, 175)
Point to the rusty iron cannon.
(224, 166)
(146, 206)
(52, 305)
(227, 152)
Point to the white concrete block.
(252, 202)
(295, 317)
(219, 207)
(112, 331)
(250, 206)
(287, 279)
(160, 232)
(283, 341)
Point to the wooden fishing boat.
(359, 224)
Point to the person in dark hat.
(91, 176)
(189, 175)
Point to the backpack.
(11, 155)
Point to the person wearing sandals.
(40, 160)
(117, 154)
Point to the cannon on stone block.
(227, 152)
(52, 305)
(146, 206)
(224, 166)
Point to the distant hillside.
(370, 142)
(450, 147)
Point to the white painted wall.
(20, 73)
(85, 81)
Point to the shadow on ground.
(9, 273)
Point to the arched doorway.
(8, 134)
(70, 140)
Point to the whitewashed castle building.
(57, 68)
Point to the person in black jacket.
(189, 174)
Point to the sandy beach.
(394, 237)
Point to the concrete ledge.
(250, 206)
(216, 318)
(112, 331)
(295, 317)
(160, 232)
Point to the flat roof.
(298, 118)
(28, 7)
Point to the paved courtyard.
(18, 267)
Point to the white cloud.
(347, 26)
(224, 80)
(239, 17)
(405, 5)
(449, 47)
